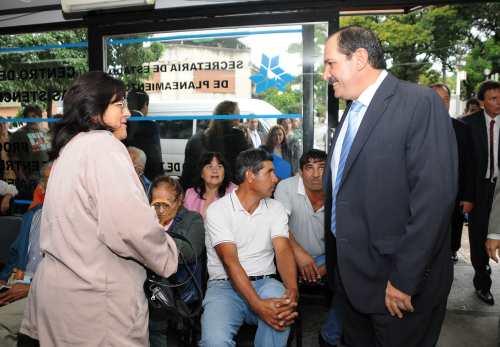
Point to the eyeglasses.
(162, 207)
(122, 103)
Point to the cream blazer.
(98, 234)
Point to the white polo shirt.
(228, 221)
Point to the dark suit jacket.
(146, 136)
(466, 166)
(479, 138)
(395, 200)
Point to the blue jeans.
(157, 333)
(331, 331)
(224, 311)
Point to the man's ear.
(361, 57)
(249, 176)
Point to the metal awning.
(39, 15)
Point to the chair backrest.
(9, 229)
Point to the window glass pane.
(35, 71)
(186, 75)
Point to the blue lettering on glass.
(270, 75)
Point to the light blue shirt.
(365, 98)
(34, 253)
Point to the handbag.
(164, 294)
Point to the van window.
(189, 73)
(176, 129)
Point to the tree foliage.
(27, 55)
(133, 54)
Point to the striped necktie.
(352, 129)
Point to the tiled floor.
(468, 323)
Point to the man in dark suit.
(464, 201)
(144, 135)
(485, 140)
(390, 184)
(257, 136)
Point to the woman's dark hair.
(86, 99)
(219, 128)
(272, 140)
(171, 182)
(199, 184)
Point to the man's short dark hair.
(30, 109)
(441, 86)
(472, 101)
(312, 156)
(485, 86)
(352, 37)
(251, 159)
(136, 99)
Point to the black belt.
(256, 278)
(251, 278)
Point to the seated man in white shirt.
(245, 231)
(304, 198)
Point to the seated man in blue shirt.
(23, 261)
(303, 198)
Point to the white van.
(174, 134)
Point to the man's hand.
(290, 303)
(5, 203)
(307, 267)
(322, 271)
(16, 292)
(278, 313)
(396, 301)
(492, 247)
(467, 206)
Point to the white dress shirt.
(254, 135)
(496, 127)
(365, 98)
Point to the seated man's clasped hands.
(246, 231)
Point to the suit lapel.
(375, 110)
(481, 123)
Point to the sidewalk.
(468, 323)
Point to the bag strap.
(192, 276)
